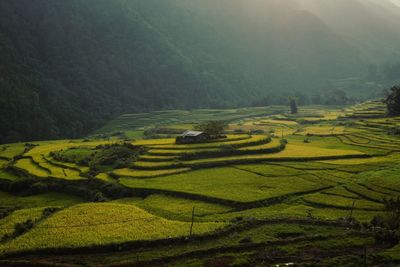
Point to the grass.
(280, 122)
(389, 159)
(105, 177)
(172, 154)
(39, 163)
(272, 144)
(88, 225)
(290, 153)
(298, 152)
(4, 174)
(293, 209)
(68, 165)
(146, 174)
(151, 142)
(177, 208)
(387, 177)
(40, 167)
(77, 154)
(42, 200)
(156, 158)
(240, 140)
(64, 173)
(367, 193)
(323, 130)
(393, 253)
(333, 158)
(28, 165)
(341, 202)
(11, 150)
(3, 162)
(226, 183)
(341, 191)
(267, 170)
(19, 216)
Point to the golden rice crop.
(241, 140)
(145, 173)
(290, 152)
(226, 183)
(323, 130)
(27, 164)
(86, 225)
(342, 202)
(11, 150)
(19, 216)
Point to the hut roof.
(192, 133)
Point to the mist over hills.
(66, 67)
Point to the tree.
(293, 106)
(214, 128)
(393, 101)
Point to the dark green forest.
(66, 67)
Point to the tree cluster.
(393, 101)
(213, 128)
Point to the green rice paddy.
(293, 187)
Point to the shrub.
(395, 131)
(19, 186)
(228, 148)
(246, 239)
(386, 236)
(213, 128)
(4, 212)
(387, 226)
(21, 228)
(259, 131)
(49, 211)
(38, 188)
(115, 155)
(239, 131)
(99, 197)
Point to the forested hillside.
(66, 67)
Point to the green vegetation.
(39, 200)
(393, 101)
(262, 188)
(293, 106)
(101, 224)
(213, 128)
(295, 160)
(42, 97)
(177, 208)
(115, 155)
(225, 183)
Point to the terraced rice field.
(147, 174)
(19, 216)
(225, 183)
(96, 224)
(279, 188)
(8, 152)
(323, 130)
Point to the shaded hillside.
(68, 66)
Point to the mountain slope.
(68, 66)
(370, 25)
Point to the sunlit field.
(291, 183)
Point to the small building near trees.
(192, 137)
